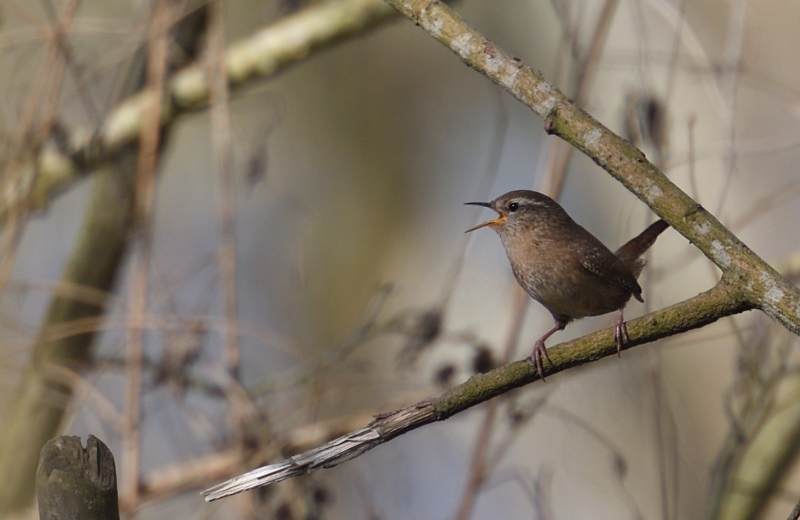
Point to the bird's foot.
(539, 353)
(620, 333)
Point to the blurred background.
(286, 257)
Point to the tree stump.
(76, 483)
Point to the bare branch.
(149, 141)
(262, 55)
(722, 300)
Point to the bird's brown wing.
(607, 266)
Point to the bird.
(563, 266)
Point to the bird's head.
(517, 208)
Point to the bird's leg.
(540, 351)
(620, 332)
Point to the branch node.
(550, 121)
(692, 209)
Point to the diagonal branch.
(722, 300)
(761, 285)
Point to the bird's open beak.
(496, 222)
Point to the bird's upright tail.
(631, 252)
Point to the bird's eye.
(514, 206)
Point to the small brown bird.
(563, 266)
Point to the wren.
(563, 266)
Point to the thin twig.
(477, 472)
(145, 194)
(225, 194)
(561, 151)
(35, 126)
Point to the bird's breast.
(565, 288)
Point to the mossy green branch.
(705, 308)
(722, 300)
(760, 285)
